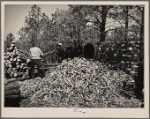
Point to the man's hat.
(28, 60)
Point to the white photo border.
(69, 112)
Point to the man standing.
(88, 51)
(36, 60)
(139, 81)
(60, 52)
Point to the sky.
(15, 16)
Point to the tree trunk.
(126, 22)
(78, 33)
(142, 36)
(103, 23)
(142, 27)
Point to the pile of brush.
(81, 83)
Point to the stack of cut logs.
(15, 66)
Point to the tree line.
(80, 24)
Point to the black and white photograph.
(75, 56)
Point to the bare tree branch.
(97, 20)
(95, 28)
(90, 21)
(114, 21)
(137, 21)
(139, 8)
(97, 8)
(112, 29)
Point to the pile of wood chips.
(80, 83)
